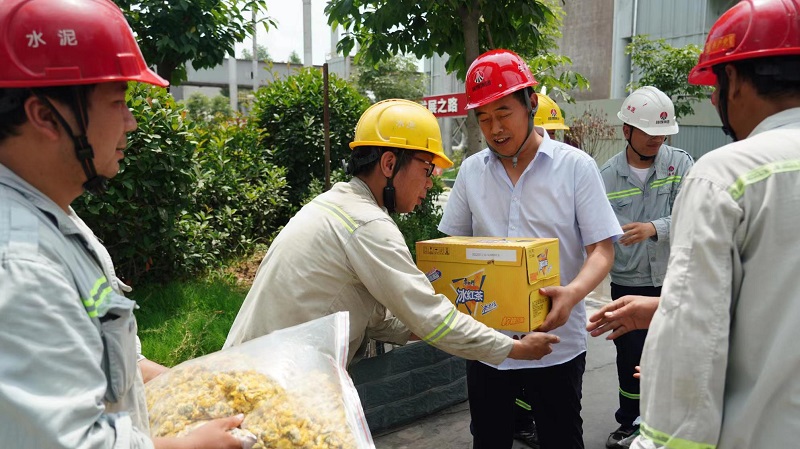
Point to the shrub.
(423, 222)
(290, 112)
(238, 200)
(203, 109)
(137, 217)
(590, 132)
(187, 198)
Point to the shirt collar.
(783, 118)
(359, 187)
(39, 200)
(546, 147)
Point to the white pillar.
(255, 52)
(233, 86)
(307, 33)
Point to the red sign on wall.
(448, 105)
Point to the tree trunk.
(165, 70)
(470, 20)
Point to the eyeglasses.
(431, 165)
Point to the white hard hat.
(650, 110)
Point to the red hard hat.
(495, 74)
(750, 29)
(68, 42)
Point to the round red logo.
(553, 112)
(664, 115)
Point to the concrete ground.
(449, 428)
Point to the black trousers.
(629, 353)
(555, 393)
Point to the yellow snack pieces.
(189, 395)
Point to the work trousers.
(629, 353)
(554, 391)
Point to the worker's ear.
(387, 163)
(41, 118)
(735, 83)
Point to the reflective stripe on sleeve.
(443, 329)
(669, 441)
(97, 296)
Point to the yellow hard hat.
(401, 124)
(548, 116)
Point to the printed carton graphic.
(494, 280)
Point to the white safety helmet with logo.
(650, 110)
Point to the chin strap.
(722, 101)
(531, 112)
(641, 156)
(389, 196)
(94, 184)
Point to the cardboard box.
(495, 280)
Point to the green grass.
(186, 319)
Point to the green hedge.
(239, 197)
(187, 197)
(290, 113)
(137, 218)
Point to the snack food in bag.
(291, 385)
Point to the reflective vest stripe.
(736, 190)
(338, 213)
(443, 329)
(624, 193)
(628, 395)
(97, 296)
(668, 180)
(669, 441)
(637, 191)
(524, 405)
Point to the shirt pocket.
(620, 205)
(666, 195)
(118, 327)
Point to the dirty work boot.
(622, 433)
(628, 441)
(528, 435)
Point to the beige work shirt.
(342, 252)
(720, 364)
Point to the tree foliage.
(262, 53)
(294, 58)
(290, 113)
(554, 80)
(170, 33)
(392, 78)
(661, 65)
(459, 28)
(204, 109)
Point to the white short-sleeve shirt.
(560, 194)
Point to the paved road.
(449, 428)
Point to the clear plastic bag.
(292, 386)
